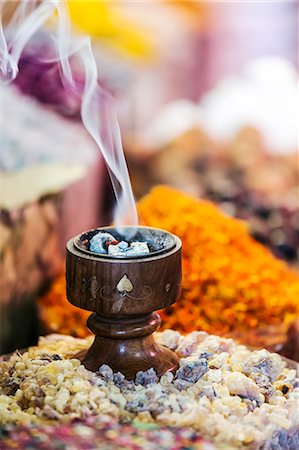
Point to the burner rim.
(171, 244)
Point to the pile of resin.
(235, 397)
(104, 243)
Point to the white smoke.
(97, 108)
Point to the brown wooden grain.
(128, 346)
(123, 320)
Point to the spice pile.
(58, 315)
(241, 177)
(231, 284)
(229, 281)
(230, 395)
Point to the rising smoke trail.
(97, 107)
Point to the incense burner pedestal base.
(128, 346)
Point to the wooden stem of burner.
(124, 293)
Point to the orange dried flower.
(231, 284)
(60, 316)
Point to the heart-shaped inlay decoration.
(124, 285)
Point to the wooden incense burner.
(124, 294)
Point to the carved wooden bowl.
(124, 293)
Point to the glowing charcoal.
(133, 249)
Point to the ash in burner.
(125, 243)
(105, 243)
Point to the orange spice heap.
(230, 282)
(58, 315)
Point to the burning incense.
(105, 243)
(122, 280)
(123, 288)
